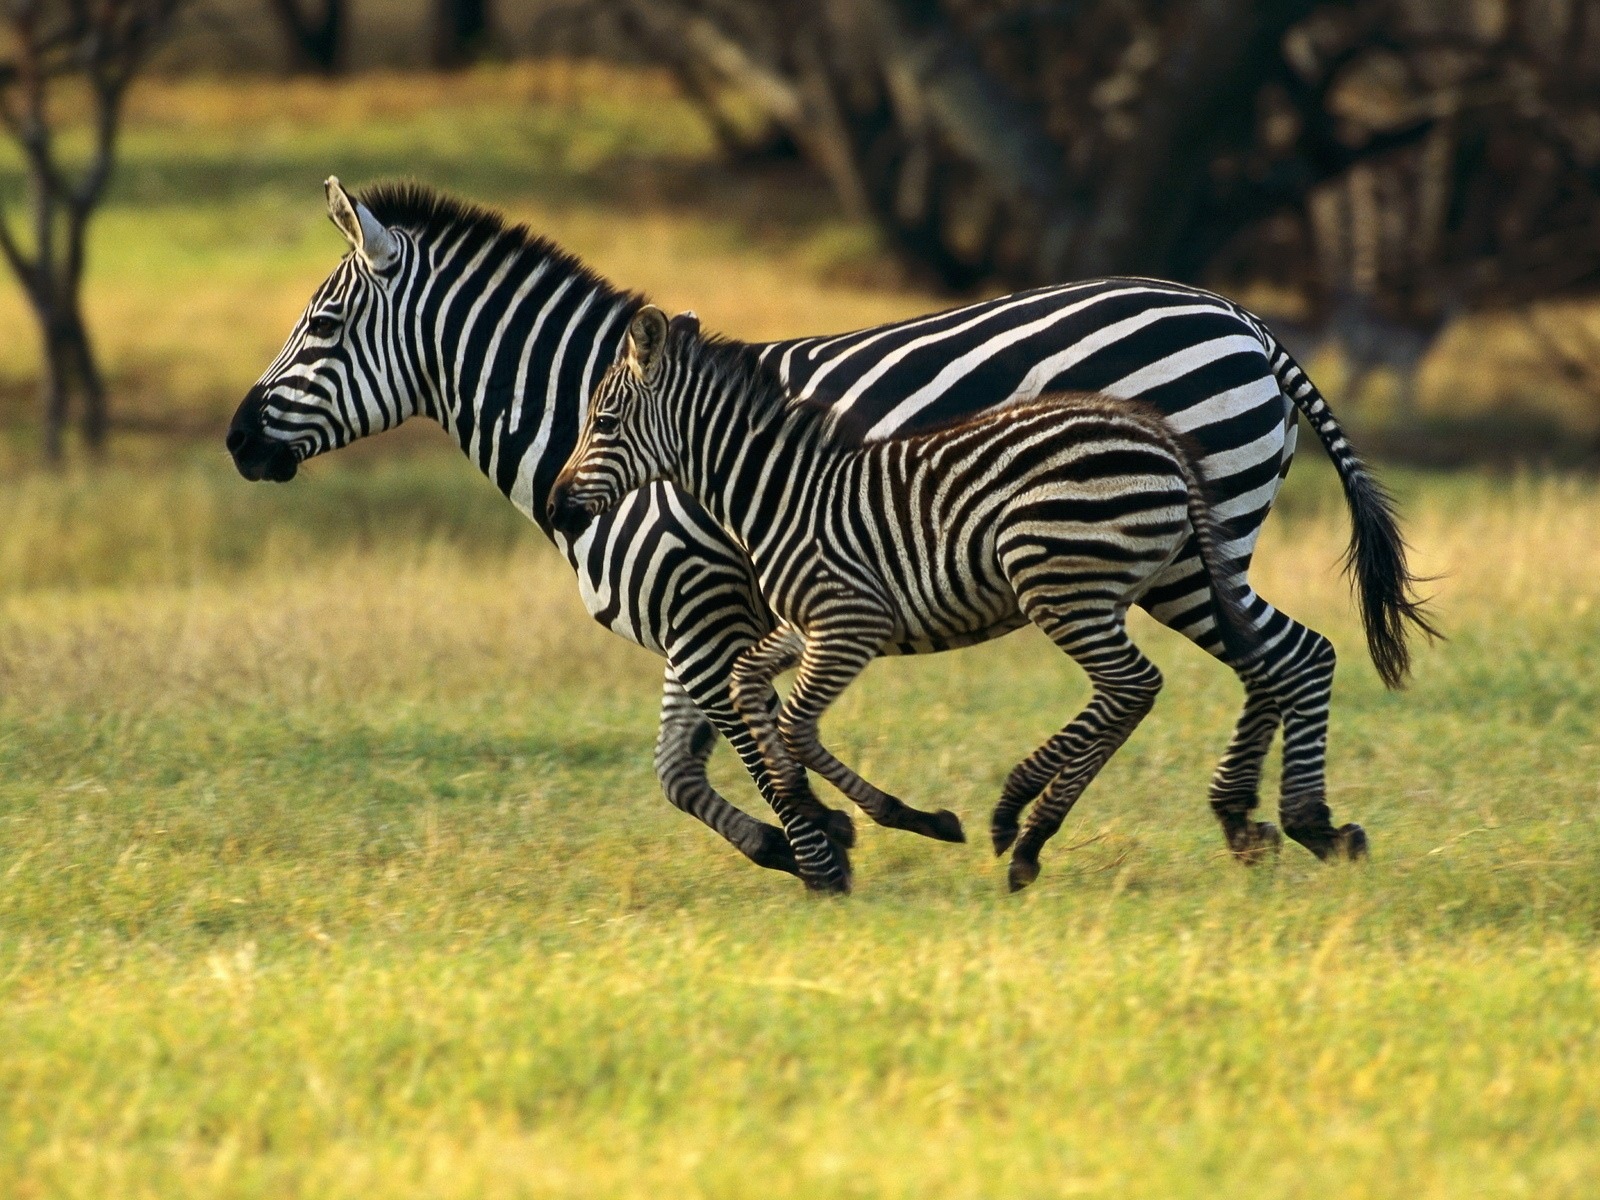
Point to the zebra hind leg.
(1300, 669)
(1126, 684)
(1289, 684)
(683, 746)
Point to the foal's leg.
(1125, 687)
(823, 862)
(1180, 598)
(682, 747)
(1236, 783)
(835, 653)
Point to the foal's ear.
(685, 322)
(367, 235)
(647, 337)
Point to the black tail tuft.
(1390, 608)
(1376, 558)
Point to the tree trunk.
(69, 375)
(96, 420)
(1200, 102)
(316, 41)
(460, 32)
(55, 390)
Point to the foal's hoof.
(1021, 873)
(1353, 842)
(945, 826)
(1002, 834)
(1254, 842)
(772, 850)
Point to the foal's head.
(627, 440)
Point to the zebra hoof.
(772, 850)
(1353, 842)
(945, 826)
(1021, 873)
(834, 883)
(1002, 835)
(839, 828)
(1254, 842)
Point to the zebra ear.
(380, 246)
(647, 336)
(686, 322)
(366, 234)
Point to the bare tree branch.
(103, 43)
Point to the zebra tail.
(1240, 637)
(1376, 556)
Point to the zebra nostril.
(236, 440)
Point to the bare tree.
(90, 50)
(315, 35)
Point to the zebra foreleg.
(708, 691)
(832, 659)
(683, 746)
(824, 863)
(1126, 684)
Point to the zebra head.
(341, 375)
(626, 440)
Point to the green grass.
(336, 867)
(332, 863)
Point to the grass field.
(332, 863)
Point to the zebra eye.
(605, 423)
(323, 326)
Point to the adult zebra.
(444, 309)
(1059, 510)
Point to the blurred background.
(1406, 188)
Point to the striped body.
(922, 525)
(1059, 511)
(444, 310)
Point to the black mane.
(736, 366)
(424, 211)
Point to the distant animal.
(1060, 510)
(1369, 342)
(444, 309)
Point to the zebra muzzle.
(567, 514)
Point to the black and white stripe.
(445, 310)
(1058, 511)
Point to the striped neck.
(509, 334)
(739, 434)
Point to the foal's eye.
(605, 423)
(323, 326)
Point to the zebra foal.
(1059, 511)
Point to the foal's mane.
(735, 367)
